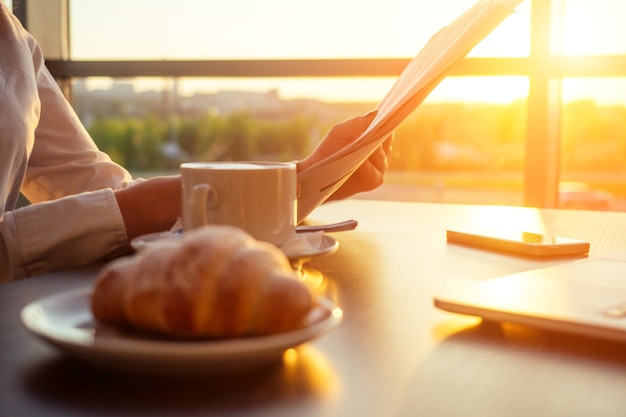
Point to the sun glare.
(499, 219)
(497, 90)
(583, 27)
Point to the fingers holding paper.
(369, 175)
(337, 138)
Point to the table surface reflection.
(394, 353)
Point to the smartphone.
(526, 243)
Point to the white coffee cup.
(258, 197)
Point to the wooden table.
(393, 355)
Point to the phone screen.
(528, 243)
(536, 238)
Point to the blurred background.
(535, 115)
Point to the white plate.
(302, 246)
(65, 321)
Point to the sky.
(255, 29)
(249, 29)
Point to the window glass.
(466, 143)
(451, 149)
(590, 27)
(251, 29)
(593, 143)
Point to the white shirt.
(47, 154)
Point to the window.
(516, 107)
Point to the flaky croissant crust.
(216, 282)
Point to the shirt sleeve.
(64, 159)
(46, 153)
(63, 233)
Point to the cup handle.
(203, 197)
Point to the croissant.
(216, 282)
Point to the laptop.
(586, 297)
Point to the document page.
(418, 79)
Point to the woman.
(84, 206)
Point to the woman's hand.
(370, 174)
(149, 206)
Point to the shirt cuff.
(69, 232)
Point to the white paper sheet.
(419, 78)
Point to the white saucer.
(301, 246)
(65, 321)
